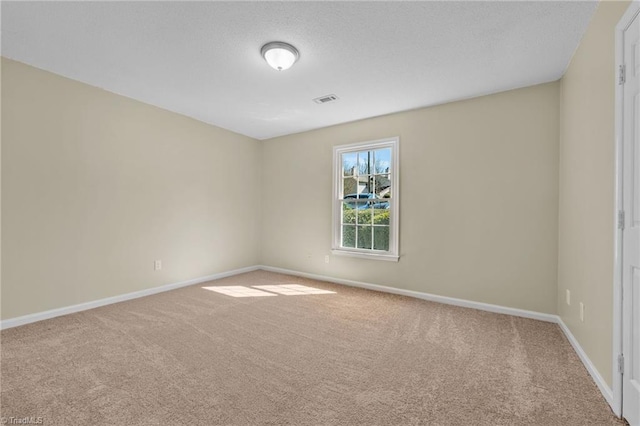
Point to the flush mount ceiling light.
(280, 56)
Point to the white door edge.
(632, 11)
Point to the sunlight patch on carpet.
(239, 291)
(293, 289)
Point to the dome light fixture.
(279, 55)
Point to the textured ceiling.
(203, 59)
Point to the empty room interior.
(320, 213)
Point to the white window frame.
(394, 203)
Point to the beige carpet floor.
(197, 357)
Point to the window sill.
(365, 255)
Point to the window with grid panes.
(365, 204)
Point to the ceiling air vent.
(325, 99)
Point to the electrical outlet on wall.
(326, 258)
(581, 311)
(568, 297)
(157, 265)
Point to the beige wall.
(96, 186)
(1, 63)
(586, 215)
(479, 199)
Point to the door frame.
(632, 11)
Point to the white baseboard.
(606, 391)
(425, 296)
(39, 316)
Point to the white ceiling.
(203, 59)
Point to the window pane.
(364, 162)
(381, 216)
(364, 237)
(348, 236)
(349, 162)
(364, 213)
(348, 213)
(382, 158)
(381, 238)
(349, 187)
(382, 185)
